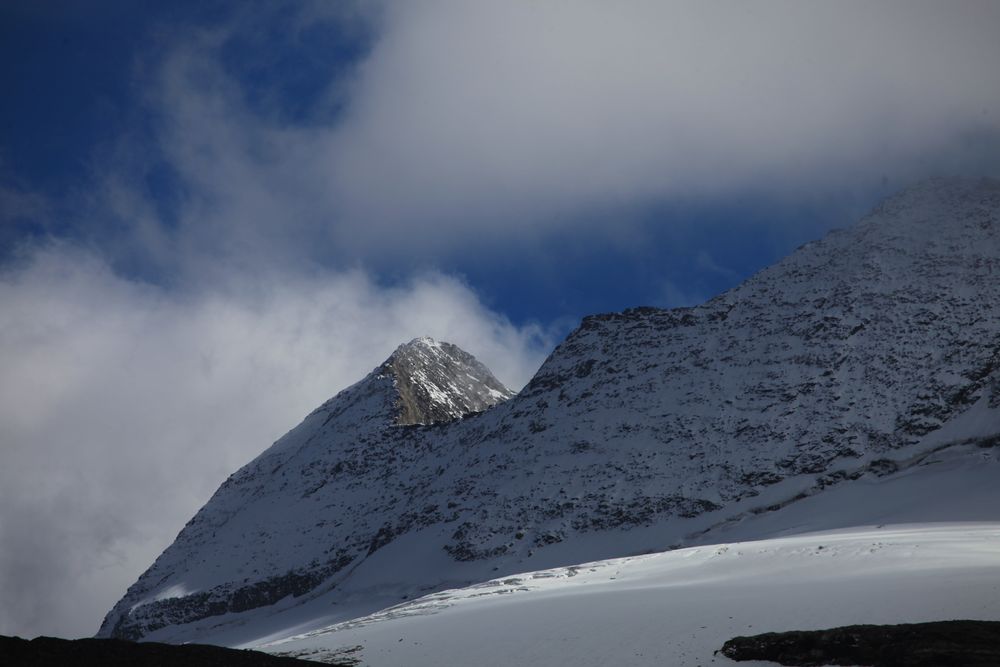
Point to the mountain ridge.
(638, 426)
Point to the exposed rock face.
(53, 652)
(938, 644)
(438, 382)
(852, 350)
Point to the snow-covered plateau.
(853, 387)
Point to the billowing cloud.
(467, 115)
(123, 405)
(478, 122)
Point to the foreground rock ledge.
(938, 644)
(52, 652)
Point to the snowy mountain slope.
(642, 429)
(264, 534)
(954, 484)
(953, 477)
(677, 608)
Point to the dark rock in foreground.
(52, 652)
(939, 644)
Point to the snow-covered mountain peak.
(438, 381)
(422, 382)
(418, 343)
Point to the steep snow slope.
(642, 429)
(677, 608)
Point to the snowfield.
(678, 607)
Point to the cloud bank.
(479, 124)
(467, 115)
(123, 406)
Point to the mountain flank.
(850, 359)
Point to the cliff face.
(852, 352)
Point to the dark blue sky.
(77, 80)
(69, 73)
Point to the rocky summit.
(438, 382)
(855, 356)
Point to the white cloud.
(501, 116)
(474, 123)
(123, 406)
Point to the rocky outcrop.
(53, 652)
(439, 382)
(939, 644)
